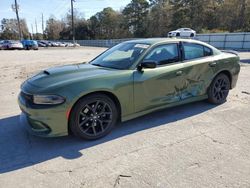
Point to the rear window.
(207, 51)
(194, 51)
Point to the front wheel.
(219, 89)
(93, 117)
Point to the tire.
(219, 89)
(27, 47)
(178, 34)
(192, 35)
(93, 117)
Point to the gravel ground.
(195, 145)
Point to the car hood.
(66, 74)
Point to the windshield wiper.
(98, 65)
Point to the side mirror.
(147, 65)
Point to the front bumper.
(171, 34)
(36, 129)
(44, 122)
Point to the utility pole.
(32, 31)
(42, 26)
(36, 26)
(72, 18)
(15, 8)
(36, 29)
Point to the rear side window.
(164, 54)
(207, 51)
(193, 51)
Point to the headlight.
(48, 99)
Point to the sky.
(32, 10)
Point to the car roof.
(155, 41)
(152, 41)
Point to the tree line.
(144, 18)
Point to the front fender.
(121, 87)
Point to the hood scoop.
(61, 70)
(46, 72)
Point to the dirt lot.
(196, 145)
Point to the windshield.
(121, 56)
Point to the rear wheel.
(93, 117)
(219, 89)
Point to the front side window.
(194, 51)
(164, 54)
(121, 56)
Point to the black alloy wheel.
(219, 89)
(93, 117)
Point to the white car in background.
(12, 44)
(182, 32)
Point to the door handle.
(178, 73)
(213, 64)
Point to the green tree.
(135, 14)
(9, 29)
(152, 18)
(53, 28)
(159, 18)
(234, 15)
(108, 24)
(80, 24)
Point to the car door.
(161, 85)
(182, 32)
(186, 32)
(198, 70)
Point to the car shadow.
(20, 149)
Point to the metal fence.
(234, 41)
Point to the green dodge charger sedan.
(128, 80)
